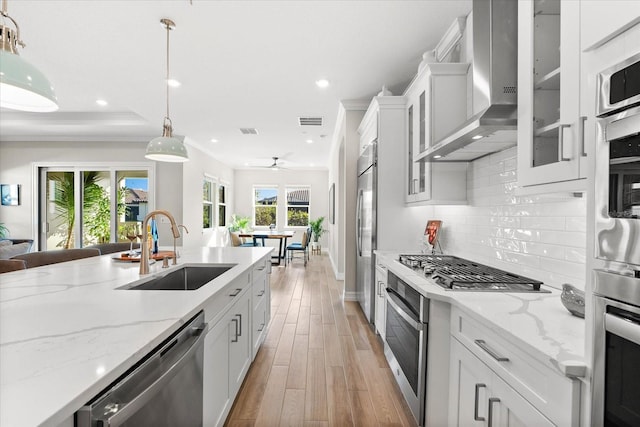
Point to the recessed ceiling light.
(101, 102)
(214, 140)
(311, 164)
(437, 156)
(322, 83)
(173, 83)
(477, 137)
(309, 141)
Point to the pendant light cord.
(167, 80)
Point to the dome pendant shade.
(167, 148)
(22, 86)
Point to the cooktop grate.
(456, 273)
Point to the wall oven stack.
(616, 287)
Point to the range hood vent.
(494, 122)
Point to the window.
(222, 205)
(110, 202)
(297, 206)
(207, 203)
(265, 203)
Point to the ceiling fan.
(275, 165)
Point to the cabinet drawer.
(222, 300)
(548, 390)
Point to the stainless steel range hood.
(493, 125)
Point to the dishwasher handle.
(182, 347)
(194, 343)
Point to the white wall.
(178, 186)
(542, 237)
(199, 166)
(344, 157)
(318, 183)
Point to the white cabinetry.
(480, 398)
(551, 149)
(381, 299)
(601, 20)
(433, 110)
(231, 342)
(491, 378)
(261, 304)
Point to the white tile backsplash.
(542, 237)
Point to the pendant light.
(22, 86)
(167, 148)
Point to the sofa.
(12, 247)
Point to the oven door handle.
(399, 310)
(622, 327)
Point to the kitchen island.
(66, 332)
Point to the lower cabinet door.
(513, 410)
(259, 326)
(216, 397)
(240, 345)
(479, 397)
(469, 388)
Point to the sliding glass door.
(84, 206)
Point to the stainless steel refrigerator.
(366, 229)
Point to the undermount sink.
(187, 278)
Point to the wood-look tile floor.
(321, 364)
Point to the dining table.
(261, 235)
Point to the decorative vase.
(573, 300)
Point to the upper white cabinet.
(434, 108)
(551, 149)
(602, 20)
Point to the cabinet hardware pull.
(260, 293)
(413, 190)
(561, 156)
(261, 268)
(240, 317)
(235, 339)
(475, 404)
(582, 119)
(235, 294)
(492, 400)
(483, 345)
(261, 327)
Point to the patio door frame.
(39, 204)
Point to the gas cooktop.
(458, 274)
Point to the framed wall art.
(10, 194)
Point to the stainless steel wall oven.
(406, 342)
(615, 395)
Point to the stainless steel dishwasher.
(164, 389)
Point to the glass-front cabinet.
(434, 108)
(551, 147)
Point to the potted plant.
(317, 231)
(4, 231)
(239, 223)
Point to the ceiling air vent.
(310, 121)
(249, 131)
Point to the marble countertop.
(66, 333)
(535, 322)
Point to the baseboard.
(350, 296)
(338, 275)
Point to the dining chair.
(237, 241)
(36, 259)
(110, 248)
(298, 247)
(7, 265)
